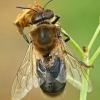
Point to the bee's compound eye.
(47, 14)
(36, 18)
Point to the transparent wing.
(25, 78)
(75, 69)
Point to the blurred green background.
(78, 17)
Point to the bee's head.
(40, 14)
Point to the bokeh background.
(78, 17)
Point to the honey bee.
(48, 62)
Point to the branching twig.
(85, 55)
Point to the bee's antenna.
(26, 8)
(46, 4)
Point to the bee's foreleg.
(25, 37)
(56, 19)
(21, 32)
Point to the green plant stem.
(83, 91)
(94, 56)
(94, 37)
(74, 43)
(84, 88)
